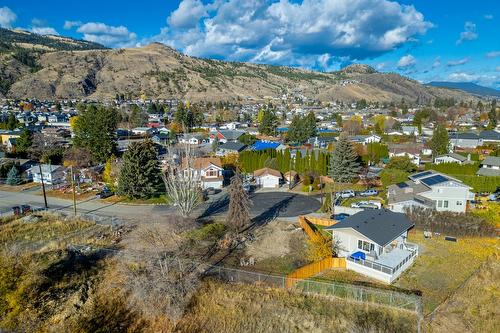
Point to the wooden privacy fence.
(309, 229)
(313, 269)
(320, 221)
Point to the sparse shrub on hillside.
(454, 224)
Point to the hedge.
(454, 168)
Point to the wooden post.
(73, 188)
(43, 187)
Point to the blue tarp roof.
(262, 145)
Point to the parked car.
(346, 194)
(368, 193)
(339, 217)
(105, 194)
(367, 205)
(248, 188)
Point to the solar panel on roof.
(402, 185)
(422, 174)
(434, 180)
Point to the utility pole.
(43, 187)
(73, 188)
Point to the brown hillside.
(161, 72)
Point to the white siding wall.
(455, 196)
(268, 181)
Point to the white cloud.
(407, 61)
(187, 15)
(457, 62)
(488, 17)
(7, 17)
(469, 33)
(436, 63)
(291, 32)
(487, 79)
(71, 24)
(44, 31)
(462, 77)
(108, 35)
(493, 54)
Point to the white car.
(367, 204)
(346, 194)
(368, 193)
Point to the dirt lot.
(279, 247)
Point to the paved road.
(91, 206)
(266, 205)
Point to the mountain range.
(469, 87)
(53, 67)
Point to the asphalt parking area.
(283, 204)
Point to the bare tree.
(155, 272)
(182, 181)
(239, 204)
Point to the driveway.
(269, 205)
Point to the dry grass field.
(474, 306)
(240, 308)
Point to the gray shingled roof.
(491, 160)
(237, 146)
(489, 135)
(464, 135)
(380, 225)
(488, 172)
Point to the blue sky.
(453, 40)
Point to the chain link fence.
(396, 299)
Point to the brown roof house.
(209, 170)
(267, 178)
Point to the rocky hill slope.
(158, 71)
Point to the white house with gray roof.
(465, 140)
(452, 158)
(490, 167)
(430, 189)
(374, 243)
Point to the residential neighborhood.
(223, 166)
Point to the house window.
(212, 173)
(445, 204)
(440, 203)
(365, 246)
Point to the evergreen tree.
(95, 129)
(24, 142)
(310, 125)
(215, 144)
(269, 123)
(239, 204)
(493, 116)
(13, 177)
(344, 166)
(140, 175)
(439, 142)
(296, 130)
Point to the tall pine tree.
(239, 204)
(140, 176)
(344, 165)
(95, 130)
(440, 141)
(13, 177)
